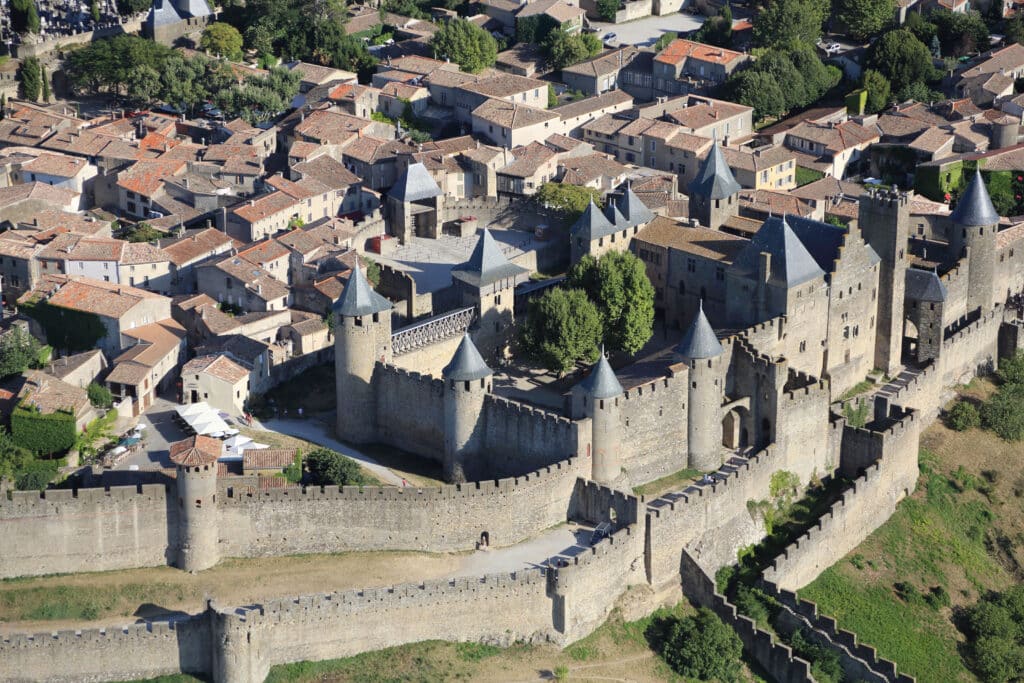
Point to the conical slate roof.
(487, 264)
(467, 364)
(635, 211)
(601, 382)
(700, 341)
(975, 206)
(924, 285)
(791, 263)
(358, 297)
(714, 179)
(612, 213)
(414, 184)
(592, 223)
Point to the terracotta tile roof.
(142, 252)
(607, 63)
(584, 169)
(1009, 58)
(680, 49)
(757, 159)
(264, 252)
(59, 165)
(267, 458)
(72, 247)
(776, 203)
(50, 394)
(330, 127)
(145, 177)
(56, 196)
(826, 187)
(837, 138)
(92, 296)
(62, 221)
(706, 114)
(591, 105)
(196, 451)
(556, 9)
(253, 277)
(1010, 236)
(510, 115)
(710, 244)
(504, 85)
(217, 365)
(403, 90)
(196, 245)
(528, 160)
(266, 206)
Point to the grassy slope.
(967, 504)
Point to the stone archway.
(736, 428)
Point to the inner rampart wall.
(410, 410)
(62, 530)
(654, 427)
(519, 438)
(327, 520)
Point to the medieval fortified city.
(512, 340)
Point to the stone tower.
(362, 336)
(714, 193)
(926, 296)
(195, 460)
(414, 205)
(884, 220)
(701, 351)
(591, 226)
(488, 280)
(975, 224)
(602, 395)
(467, 380)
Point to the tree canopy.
(878, 89)
(959, 33)
(902, 58)
(716, 30)
(31, 75)
(783, 79)
(562, 327)
(222, 40)
(617, 283)
(607, 9)
(784, 22)
(24, 16)
(864, 18)
(760, 91)
(703, 647)
(565, 49)
(19, 351)
(466, 44)
(995, 627)
(327, 468)
(571, 200)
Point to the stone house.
(49, 395)
(79, 369)
(217, 379)
(191, 249)
(513, 125)
(149, 363)
(59, 170)
(771, 167)
(599, 74)
(395, 96)
(829, 148)
(237, 282)
(136, 264)
(271, 256)
(684, 66)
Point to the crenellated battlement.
(967, 331)
(650, 388)
(419, 378)
(756, 465)
(52, 500)
(525, 410)
(127, 634)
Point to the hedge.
(43, 433)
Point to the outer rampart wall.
(864, 507)
(329, 519)
(802, 435)
(95, 655)
(518, 438)
(65, 530)
(972, 350)
(410, 411)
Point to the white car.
(832, 47)
(609, 36)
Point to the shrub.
(937, 598)
(1003, 413)
(756, 604)
(18, 350)
(100, 396)
(825, 664)
(995, 630)
(963, 416)
(36, 475)
(703, 647)
(1011, 370)
(42, 433)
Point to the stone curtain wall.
(654, 427)
(410, 410)
(66, 531)
(446, 519)
(518, 438)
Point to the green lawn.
(670, 482)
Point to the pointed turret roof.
(592, 223)
(791, 263)
(714, 179)
(467, 364)
(975, 206)
(487, 264)
(635, 211)
(601, 382)
(700, 341)
(612, 213)
(358, 298)
(414, 184)
(924, 285)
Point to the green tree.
(570, 200)
(24, 16)
(19, 351)
(818, 77)
(44, 78)
(918, 92)
(607, 9)
(222, 40)
(617, 283)
(30, 74)
(784, 22)
(878, 89)
(703, 647)
(562, 328)
(960, 33)
(864, 18)
(466, 44)
(327, 468)
(1011, 370)
(760, 91)
(922, 29)
(94, 11)
(1003, 412)
(535, 29)
(995, 630)
(716, 30)
(565, 49)
(99, 395)
(1014, 29)
(665, 39)
(901, 58)
(776, 64)
(552, 96)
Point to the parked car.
(610, 36)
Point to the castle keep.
(787, 319)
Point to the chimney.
(259, 288)
(195, 238)
(184, 181)
(252, 202)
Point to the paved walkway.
(564, 541)
(319, 433)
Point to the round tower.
(602, 395)
(975, 224)
(701, 351)
(362, 336)
(467, 380)
(195, 459)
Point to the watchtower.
(975, 224)
(467, 380)
(414, 205)
(602, 395)
(714, 193)
(487, 280)
(702, 352)
(195, 460)
(884, 220)
(362, 337)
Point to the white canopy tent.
(202, 419)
